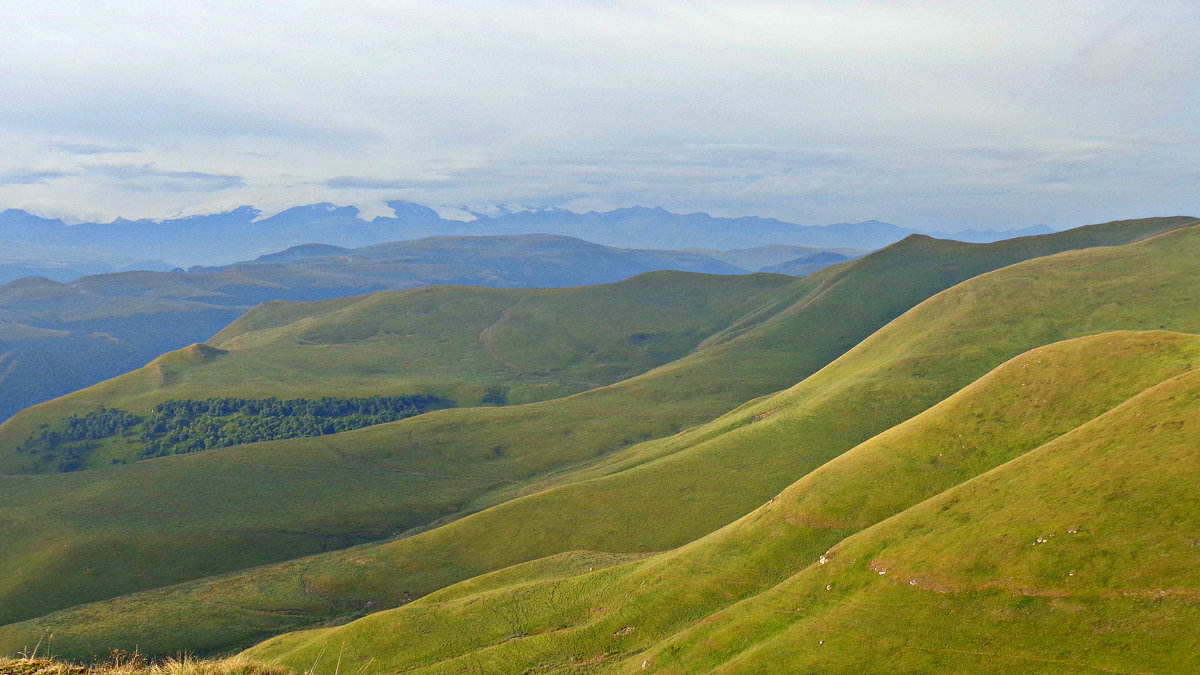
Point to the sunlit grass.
(582, 480)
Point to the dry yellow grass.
(122, 663)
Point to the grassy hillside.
(446, 340)
(296, 497)
(1078, 555)
(464, 344)
(107, 324)
(1042, 525)
(713, 473)
(319, 271)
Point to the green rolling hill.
(324, 492)
(57, 336)
(468, 345)
(1026, 537)
(693, 483)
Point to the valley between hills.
(937, 456)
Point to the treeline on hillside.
(181, 426)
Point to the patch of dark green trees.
(181, 426)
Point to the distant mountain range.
(243, 233)
(61, 263)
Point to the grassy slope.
(455, 342)
(1113, 585)
(963, 588)
(355, 345)
(274, 598)
(109, 324)
(152, 523)
(1142, 286)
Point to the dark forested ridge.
(181, 426)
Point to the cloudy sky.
(929, 114)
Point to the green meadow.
(494, 509)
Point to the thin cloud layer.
(987, 114)
(89, 148)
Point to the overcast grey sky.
(928, 114)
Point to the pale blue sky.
(930, 114)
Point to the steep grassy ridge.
(438, 559)
(952, 582)
(1079, 556)
(1114, 284)
(712, 474)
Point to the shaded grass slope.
(1026, 537)
(692, 483)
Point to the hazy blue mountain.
(988, 236)
(798, 261)
(316, 270)
(807, 264)
(24, 259)
(223, 237)
(658, 228)
(56, 338)
(243, 233)
(301, 252)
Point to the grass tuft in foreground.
(124, 663)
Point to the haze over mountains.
(242, 233)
